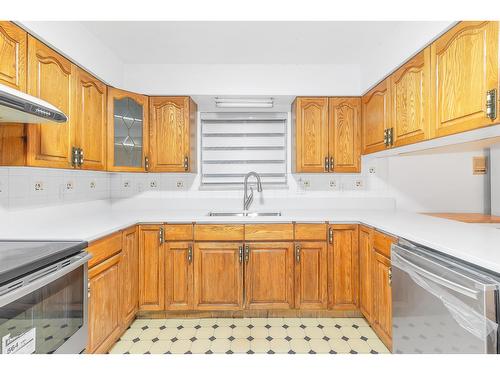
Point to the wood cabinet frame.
(113, 94)
(170, 144)
(269, 282)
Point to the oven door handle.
(45, 278)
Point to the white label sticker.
(25, 343)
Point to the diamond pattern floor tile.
(250, 336)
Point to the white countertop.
(476, 244)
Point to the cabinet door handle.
(74, 156)
(186, 163)
(491, 104)
(190, 254)
(331, 163)
(297, 253)
(330, 235)
(160, 236)
(247, 253)
(80, 157)
(146, 163)
(240, 252)
(327, 163)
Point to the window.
(233, 144)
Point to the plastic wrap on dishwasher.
(468, 318)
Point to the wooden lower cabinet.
(104, 304)
(130, 281)
(311, 275)
(179, 275)
(269, 275)
(382, 294)
(365, 272)
(151, 268)
(344, 267)
(218, 276)
(382, 311)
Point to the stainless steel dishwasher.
(442, 305)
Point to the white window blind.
(233, 144)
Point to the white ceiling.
(276, 42)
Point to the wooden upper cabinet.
(344, 267)
(151, 268)
(50, 77)
(13, 47)
(410, 100)
(345, 134)
(464, 66)
(269, 275)
(310, 116)
(218, 276)
(178, 275)
(365, 272)
(90, 119)
(376, 115)
(173, 130)
(311, 279)
(128, 131)
(130, 281)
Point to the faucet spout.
(248, 198)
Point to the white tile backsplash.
(22, 187)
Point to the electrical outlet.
(38, 186)
(306, 184)
(70, 185)
(333, 184)
(372, 170)
(179, 184)
(92, 184)
(358, 184)
(153, 184)
(126, 184)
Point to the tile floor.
(250, 336)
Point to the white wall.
(495, 179)
(78, 44)
(56, 187)
(440, 182)
(234, 79)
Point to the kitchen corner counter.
(476, 244)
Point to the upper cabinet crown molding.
(13, 47)
(464, 67)
(173, 134)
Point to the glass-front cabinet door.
(128, 131)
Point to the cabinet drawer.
(313, 232)
(382, 243)
(178, 232)
(268, 232)
(105, 248)
(218, 232)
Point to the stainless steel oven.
(43, 297)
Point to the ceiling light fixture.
(244, 103)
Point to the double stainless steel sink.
(243, 213)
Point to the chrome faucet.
(247, 199)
